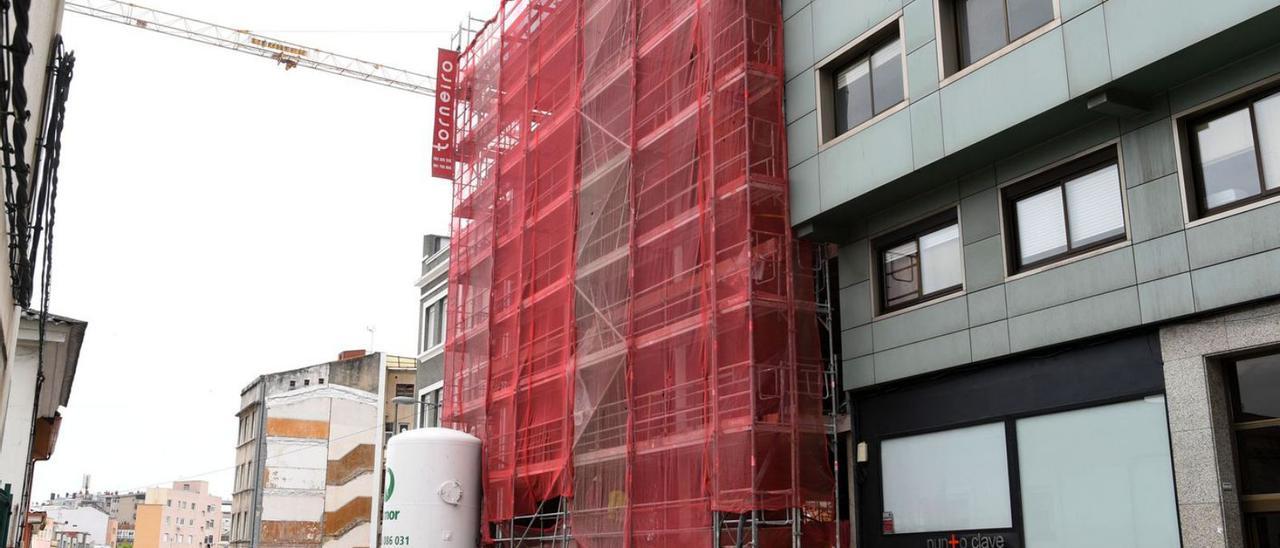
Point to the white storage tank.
(431, 494)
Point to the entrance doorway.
(1254, 383)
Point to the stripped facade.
(305, 464)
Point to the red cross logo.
(953, 542)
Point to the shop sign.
(442, 152)
(970, 540)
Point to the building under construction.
(634, 335)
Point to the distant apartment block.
(184, 515)
(306, 453)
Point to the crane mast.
(286, 53)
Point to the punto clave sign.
(442, 145)
(968, 540)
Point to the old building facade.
(308, 442)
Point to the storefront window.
(1098, 473)
(954, 480)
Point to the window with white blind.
(1067, 210)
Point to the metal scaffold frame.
(635, 334)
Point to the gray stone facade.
(1200, 416)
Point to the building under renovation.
(634, 333)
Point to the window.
(433, 315)
(430, 408)
(974, 29)
(1067, 210)
(920, 263)
(1101, 469)
(954, 480)
(437, 328)
(321, 380)
(293, 384)
(866, 79)
(306, 382)
(1235, 154)
(869, 85)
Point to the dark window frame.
(901, 236)
(1058, 176)
(1195, 186)
(865, 54)
(828, 69)
(951, 33)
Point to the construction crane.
(286, 53)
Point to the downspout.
(51, 81)
(260, 444)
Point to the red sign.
(886, 523)
(442, 146)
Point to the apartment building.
(72, 526)
(184, 515)
(433, 289)
(1058, 231)
(308, 443)
(124, 507)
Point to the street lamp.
(398, 401)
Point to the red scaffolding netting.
(632, 328)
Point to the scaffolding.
(634, 331)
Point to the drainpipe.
(259, 453)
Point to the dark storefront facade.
(1069, 448)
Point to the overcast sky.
(219, 218)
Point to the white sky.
(219, 218)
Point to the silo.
(431, 495)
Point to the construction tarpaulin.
(632, 327)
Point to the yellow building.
(146, 530)
(182, 516)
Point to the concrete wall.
(319, 479)
(1090, 46)
(1167, 268)
(319, 427)
(15, 451)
